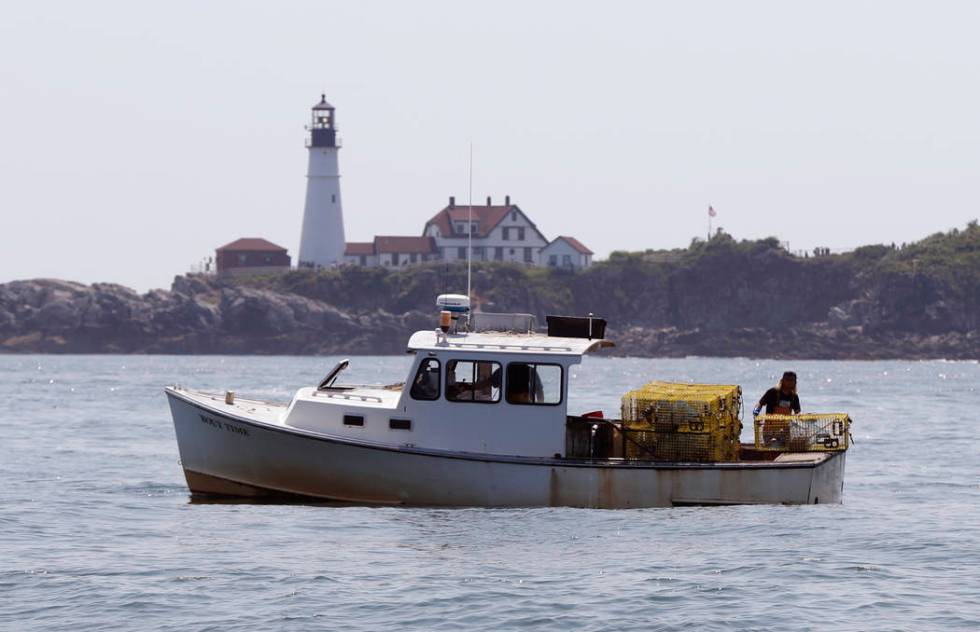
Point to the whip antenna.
(469, 241)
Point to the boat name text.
(211, 421)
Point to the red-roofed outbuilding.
(251, 254)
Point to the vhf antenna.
(469, 241)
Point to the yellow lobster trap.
(667, 421)
(811, 432)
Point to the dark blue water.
(97, 530)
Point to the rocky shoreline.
(201, 315)
(720, 298)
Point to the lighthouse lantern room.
(322, 241)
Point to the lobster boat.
(482, 420)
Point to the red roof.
(356, 248)
(252, 244)
(405, 245)
(577, 245)
(486, 216)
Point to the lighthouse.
(322, 240)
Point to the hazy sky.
(136, 137)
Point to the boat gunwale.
(172, 391)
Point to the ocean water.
(97, 530)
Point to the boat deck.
(261, 411)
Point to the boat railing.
(349, 397)
(512, 347)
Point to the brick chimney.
(507, 200)
(452, 202)
(489, 203)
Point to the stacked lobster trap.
(689, 423)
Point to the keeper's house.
(251, 255)
(501, 232)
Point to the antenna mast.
(469, 241)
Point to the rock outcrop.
(721, 298)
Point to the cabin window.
(472, 381)
(539, 384)
(425, 386)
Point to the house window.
(528, 255)
(267, 258)
(520, 233)
(394, 258)
(505, 233)
(425, 386)
(478, 253)
(498, 253)
(539, 384)
(511, 251)
(513, 216)
(472, 381)
(414, 257)
(566, 260)
(552, 260)
(363, 260)
(461, 252)
(473, 227)
(242, 259)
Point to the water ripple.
(99, 532)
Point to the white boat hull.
(229, 454)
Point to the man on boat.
(782, 398)
(779, 400)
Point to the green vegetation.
(717, 285)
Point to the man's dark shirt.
(774, 397)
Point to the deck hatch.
(353, 420)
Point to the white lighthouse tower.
(322, 242)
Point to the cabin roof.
(505, 343)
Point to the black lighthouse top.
(323, 128)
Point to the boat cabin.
(474, 392)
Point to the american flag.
(711, 211)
